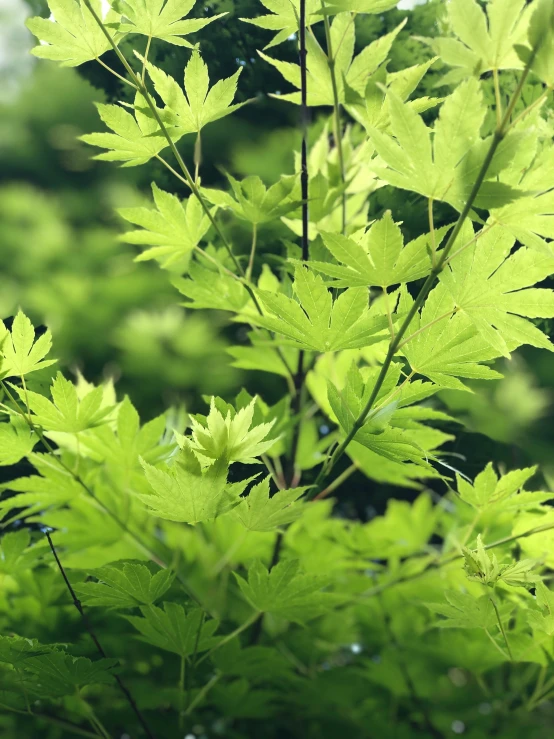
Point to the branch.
(99, 648)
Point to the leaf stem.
(252, 251)
(502, 630)
(182, 691)
(203, 692)
(116, 74)
(432, 230)
(145, 59)
(99, 648)
(424, 328)
(249, 621)
(497, 96)
(495, 643)
(337, 481)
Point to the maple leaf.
(284, 591)
(20, 353)
(162, 19)
(253, 201)
(351, 72)
(17, 440)
(124, 587)
(484, 568)
(184, 492)
(318, 322)
(73, 36)
(190, 110)
(485, 41)
(135, 139)
(444, 345)
(285, 18)
(260, 512)
(207, 288)
(173, 229)
(445, 166)
(52, 487)
(543, 620)
(378, 256)
(530, 219)
(174, 629)
(501, 494)
(61, 673)
(492, 288)
(464, 611)
(69, 413)
(231, 436)
(379, 433)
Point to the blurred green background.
(63, 264)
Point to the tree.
(254, 609)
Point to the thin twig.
(502, 630)
(99, 648)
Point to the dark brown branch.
(78, 605)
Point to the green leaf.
(489, 491)
(543, 620)
(444, 345)
(484, 568)
(285, 18)
(491, 287)
(135, 139)
(358, 6)
(73, 36)
(318, 322)
(231, 437)
(464, 611)
(52, 488)
(62, 674)
(201, 105)
(484, 41)
(16, 441)
(540, 37)
(16, 649)
(21, 354)
(284, 592)
(186, 493)
(379, 432)
(351, 72)
(175, 630)
(124, 587)
(69, 413)
(379, 257)
(15, 553)
(173, 230)
(253, 201)
(260, 512)
(162, 19)
(447, 167)
(120, 446)
(209, 289)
